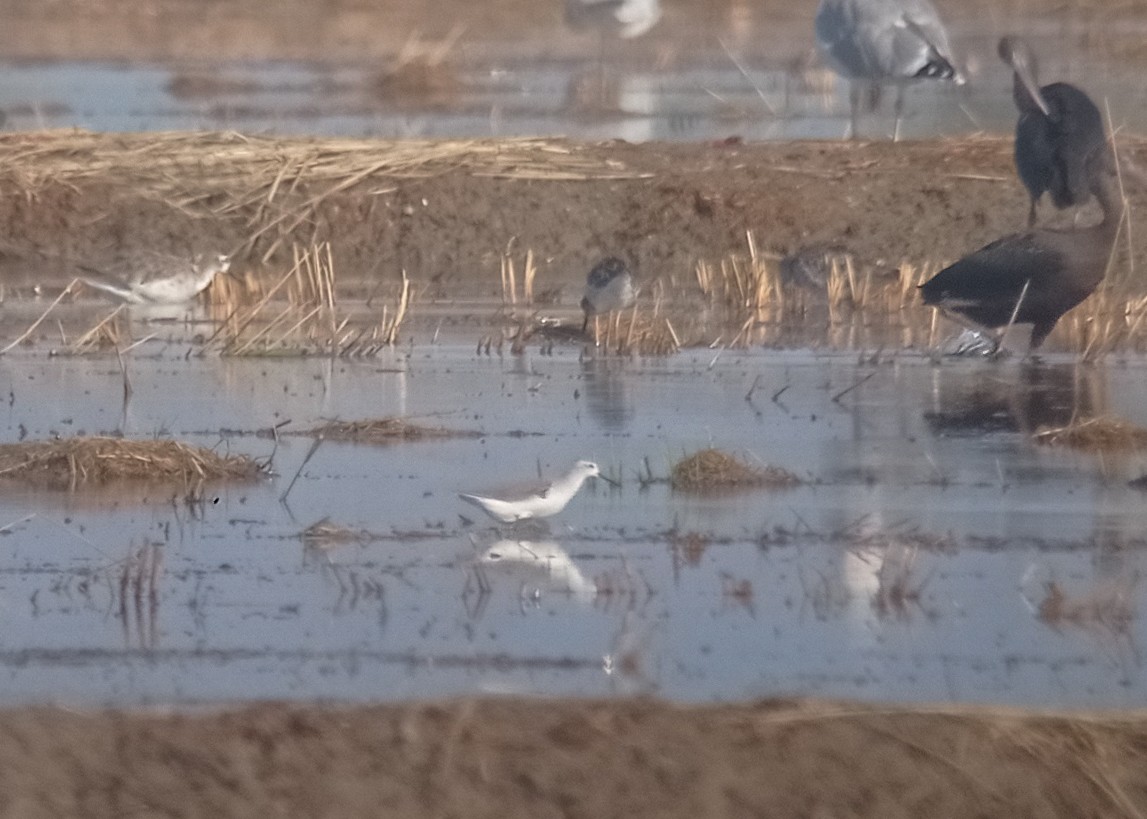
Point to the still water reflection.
(934, 552)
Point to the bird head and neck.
(1025, 85)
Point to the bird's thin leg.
(854, 90)
(898, 107)
(1031, 214)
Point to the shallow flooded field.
(934, 551)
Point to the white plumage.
(159, 278)
(625, 18)
(544, 503)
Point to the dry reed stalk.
(310, 322)
(643, 334)
(703, 272)
(528, 276)
(106, 332)
(713, 470)
(390, 328)
(1095, 435)
(71, 462)
(509, 282)
(31, 329)
(835, 288)
(510, 277)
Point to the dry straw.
(299, 315)
(275, 186)
(1101, 434)
(72, 462)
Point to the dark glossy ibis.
(1059, 133)
(878, 42)
(1033, 277)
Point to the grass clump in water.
(71, 462)
(380, 431)
(712, 470)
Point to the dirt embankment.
(532, 758)
(445, 211)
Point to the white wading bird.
(159, 278)
(543, 503)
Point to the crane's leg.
(898, 107)
(854, 90)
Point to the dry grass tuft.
(712, 470)
(380, 431)
(743, 286)
(309, 321)
(634, 332)
(71, 462)
(1095, 435)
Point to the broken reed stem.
(391, 331)
(66, 291)
(528, 277)
(89, 337)
(509, 280)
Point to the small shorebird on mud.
(608, 287)
(157, 278)
(542, 503)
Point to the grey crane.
(872, 43)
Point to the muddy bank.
(572, 758)
(446, 211)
